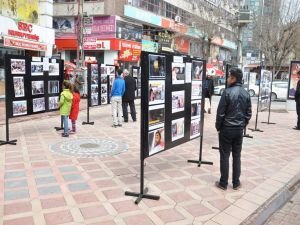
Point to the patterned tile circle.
(89, 147)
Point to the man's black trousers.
(298, 113)
(230, 140)
(132, 110)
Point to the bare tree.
(276, 30)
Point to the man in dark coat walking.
(297, 99)
(233, 114)
(209, 90)
(128, 97)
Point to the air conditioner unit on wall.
(177, 19)
(195, 6)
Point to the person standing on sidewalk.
(75, 107)
(117, 92)
(65, 103)
(128, 97)
(297, 99)
(209, 90)
(233, 114)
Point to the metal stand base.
(12, 142)
(200, 162)
(58, 128)
(253, 129)
(89, 123)
(216, 148)
(247, 136)
(140, 196)
(268, 123)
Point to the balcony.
(71, 8)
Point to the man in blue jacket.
(117, 92)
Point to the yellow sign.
(25, 10)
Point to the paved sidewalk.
(289, 214)
(39, 187)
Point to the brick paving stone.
(18, 166)
(61, 217)
(20, 221)
(53, 202)
(85, 198)
(72, 177)
(42, 172)
(180, 196)
(50, 190)
(78, 187)
(139, 219)
(169, 215)
(45, 180)
(68, 169)
(197, 210)
(15, 184)
(125, 206)
(16, 174)
(15, 195)
(105, 183)
(104, 223)
(93, 212)
(15, 208)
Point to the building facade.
(117, 30)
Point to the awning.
(66, 44)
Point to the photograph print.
(19, 108)
(53, 69)
(135, 72)
(103, 70)
(103, 89)
(178, 73)
(53, 102)
(104, 79)
(19, 87)
(103, 99)
(178, 101)
(111, 70)
(37, 69)
(156, 92)
(38, 104)
(197, 70)
(177, 129)
(196, 109)
(196, 89)
(157, 66)
(17, 66)
(265, 84)
(53, 86)
(156, 116)
(37, 87)
(195, 128)
(94, 69)
(94, 99)
(294, 70)
(156, 140)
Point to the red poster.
(182, 45)
(130, 51)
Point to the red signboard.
(16, 43)
(130, 51)
(170, 24)
(182, 45)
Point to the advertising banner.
(128, 31)
(64, 24)
(294, 69)
(182, 45)
(130, 51)
(149, 46)
(25, 10)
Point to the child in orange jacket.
(75, 107)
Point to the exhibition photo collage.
(44, 88)
(182, 73)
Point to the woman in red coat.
(75, 107)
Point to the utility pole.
(79, 58)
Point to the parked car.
(253, 90)
(279, 90)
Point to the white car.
(253, 90)
(279, 90)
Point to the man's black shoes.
(218, 185)
(296, 128)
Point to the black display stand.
(89, 97)
(258, 102)
(26, 70)
(199, 161)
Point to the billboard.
(25, 10)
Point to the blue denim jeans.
(65, 123)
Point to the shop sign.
(24, 44)
(24, 31)
(129, 31)
(142, 15)
(165, 40)
(170, 24)
(182, 45)
(95, 44)
(130, 51)
(149, 46)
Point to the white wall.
(109, 57)
(71, 9)
(46, 13)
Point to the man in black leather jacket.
(297, 99)
(233, 114)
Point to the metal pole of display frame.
(7, 141)
(88, 122)
(199, 161)
(270, 103)
(256, 119)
